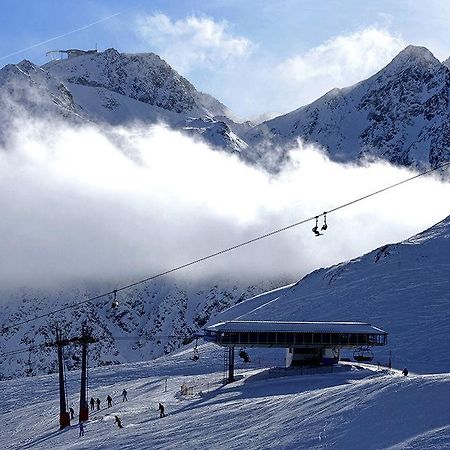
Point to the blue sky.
(255, 56)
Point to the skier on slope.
(72, 412)
(98, 404)
(81, 425)
(92, 402)
(118, 421)
(405, 372)
(161, 410)
(124, 395)
(109, 400)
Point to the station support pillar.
(230, 364)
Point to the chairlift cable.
(229, 249)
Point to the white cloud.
(338, 62)
(251, 82)
(264, 82)
(194, 42)
(121, 204)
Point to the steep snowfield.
(347, 409)
(400, 114)
(402, 288)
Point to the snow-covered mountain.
(144, 77)
(400, 114)
(151, 320)
(117, 89)
(28, 91)
(402, 288)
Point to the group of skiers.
(109, 400)
(94, 402)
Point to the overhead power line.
(229, 249)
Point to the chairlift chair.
(324, 226)
(363, 354)
(315, 229)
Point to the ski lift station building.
(306, 343)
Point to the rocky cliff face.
(400, 114)
(151, 320)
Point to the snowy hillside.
(151, 320)
(402, 288)
(27, 90)
(400, 114)
(117, 89)
(346, 409)
(144, 77)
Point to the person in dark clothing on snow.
(124, 395)
(72, 412)
(405, 372)
(109, 400)
(118, 421)
(92, 402)
(81, 429)
(98, 403)
(161, 410)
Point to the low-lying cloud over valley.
(103, 204)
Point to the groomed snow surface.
(355, 407)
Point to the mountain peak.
(27, 65)
(144, 77)
(414, 55)
(111, 51)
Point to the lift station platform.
(306, 343)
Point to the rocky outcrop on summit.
(400, 114)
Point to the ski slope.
(402, 288)
(352, 408)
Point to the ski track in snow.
(347, 409)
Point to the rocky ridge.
(400, 114)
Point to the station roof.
(295, 327)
